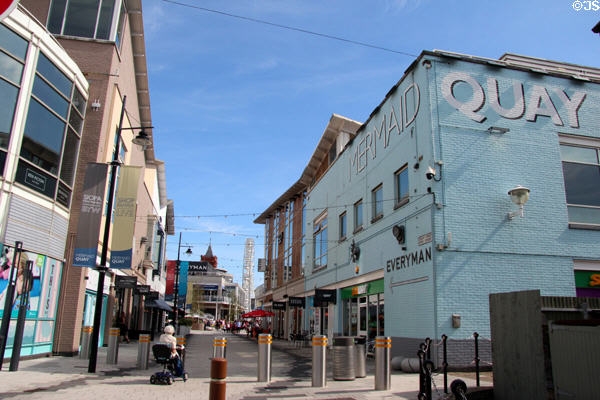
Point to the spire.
(209, 253)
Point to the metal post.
(319, 361)
(219, 347)
(445, 363)
(143, 351)
(27, 276)
(264, 357)
(102, 267)
(181, 350)
(112, 355)
(8, 299)
(176, 291)
(476, 335)
(383, 378)
(85, 342)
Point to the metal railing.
(427, 370)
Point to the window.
(303, 254)
(401, 187)
(289, 234)
(13, 50)
(94, 19)
(358, 216)
(581, 171)
(275, 243)
(377, 203)
(343, 226)
(320, 242)
(50, 146)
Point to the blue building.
(473, 176)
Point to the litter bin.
(344, 355)
(360, 362)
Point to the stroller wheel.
(153, 379)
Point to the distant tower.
(248, 277)
(209, 257)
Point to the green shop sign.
(363, 289)
(587, 279)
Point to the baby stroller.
(162, 355)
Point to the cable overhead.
(291, 28)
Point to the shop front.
(40, 317)
(363, 310)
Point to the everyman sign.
(6, 6)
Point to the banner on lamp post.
(90, 218)
(121, 249)
(6, 7)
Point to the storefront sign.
(409, 260)
(153, 295)
(198, 266)
(324, 296)
(92, 205)
(279, 305)
(297, 302)
(142, 289)
(537, 102)
(6, 7)
(361, 289)
(210, 287)
(262, 265)
(587, 279)
(125, 282)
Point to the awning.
(158, 303)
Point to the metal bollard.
(218, 375)
(143, 351)
(112, 355)
(264, 357)
(383, 378)
(319, 361)
(86, 334)
(220, 347)
(477, 359)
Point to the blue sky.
(240, 106)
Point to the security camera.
(430, 173)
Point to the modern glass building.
(43, 97)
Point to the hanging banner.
(121, 249)
(92, 205)
(169, 289)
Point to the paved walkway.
(67, 377)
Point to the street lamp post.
(141, 139)
(176, 289)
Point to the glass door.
(362, 316)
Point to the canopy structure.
(158, 303)
(257, 314)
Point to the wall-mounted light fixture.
(96, 105)
(519, 196)
(497, 129)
